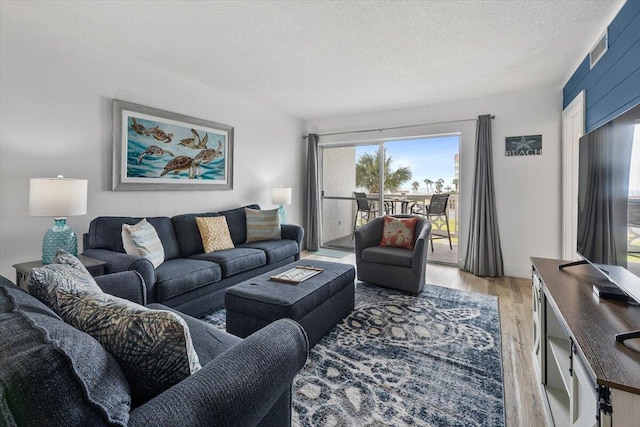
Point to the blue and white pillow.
(262, 225)
(146, 241)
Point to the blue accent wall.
(613, 85)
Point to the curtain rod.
(396, 127)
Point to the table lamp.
(281, 196)
(58, 197)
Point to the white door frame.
(573, 118)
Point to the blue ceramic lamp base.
(60, 236)
(282, 214)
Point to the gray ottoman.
(318, 303)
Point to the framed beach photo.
(160, 150)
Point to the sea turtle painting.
(204, 157)
(153, 151)
(195, 142)
(161, 135)
(178, 164)
(138, 128)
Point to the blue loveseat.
(190, 280)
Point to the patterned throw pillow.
(146, 240)
(262, 225)
(67, 272)
(153, 347)
(214, 232)
(398, 232)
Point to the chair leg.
(355, 222)
(446, 217)
(431, 240)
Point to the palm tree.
(439, 184)
(367, 175)
(455, 183)
(429, 184)
(415, 185)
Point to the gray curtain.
(484, 254)
(312, 199)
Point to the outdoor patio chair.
(391, 267)
(363, 207)
(437, 209)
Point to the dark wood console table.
(94, 266)
(588, 378)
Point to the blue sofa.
(189, 280)
(54, 374)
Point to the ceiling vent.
(599, 49)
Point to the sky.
(430, 158)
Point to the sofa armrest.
(368, 235)
(118, 261)
(238, 388)
(293, 232)
(126, 284)
(420, 249)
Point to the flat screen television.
(608, 233)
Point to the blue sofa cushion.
(188, 234)
(53, 374)
(105, 232)
(387, 255)
(237, 222)
(177, 276)
(208, 341)
(276, 250)
(234, 261)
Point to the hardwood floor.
(523, 404)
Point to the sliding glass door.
(340, 215)
(401, 180)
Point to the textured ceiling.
(314, 59)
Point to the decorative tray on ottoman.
(297, 274)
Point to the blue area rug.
(400, 360)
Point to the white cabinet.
(588, 380)
(536, 302)
(583, 404)
(570, 390)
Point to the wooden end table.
(94, 266)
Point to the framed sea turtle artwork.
(159, 150)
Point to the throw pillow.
(146, 240)
(128, 243)
(262, 225)
(214, 232)
(153, 347)
(53, 374)
(66, 271)
(398, 232)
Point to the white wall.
(528, 189)
(56, 118)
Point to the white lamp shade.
(57, 197)
(281, 195)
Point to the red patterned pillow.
(398, 232)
